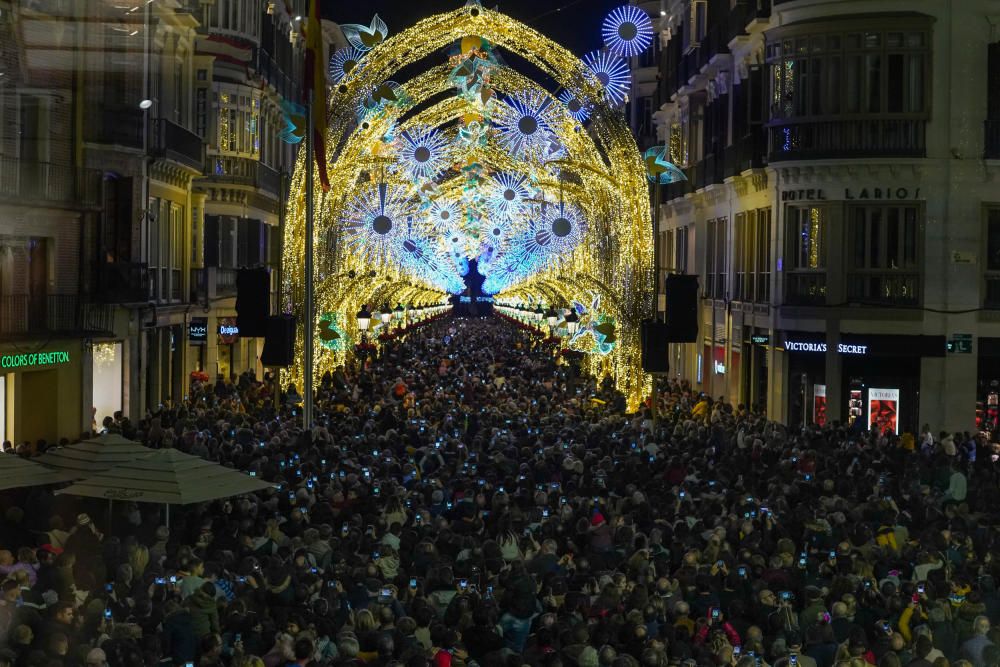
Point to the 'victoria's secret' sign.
(819, 194)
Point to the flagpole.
(307, 407)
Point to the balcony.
(244, 171)
(170, 141)
(117, 127)
(874, 137)
(805, 289)
(26, 181)
(742, 13)
(991, 144)
(167, 140)
(884, 288)
(122, 282)
(24, 315)
(211, 282)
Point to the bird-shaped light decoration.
(661, 170)
(364, 37)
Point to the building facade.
(140, 168)
(840, 207)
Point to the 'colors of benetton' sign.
(32, 359)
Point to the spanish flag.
(315, 81)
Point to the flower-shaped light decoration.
(612, 72)
(496, 232)
(628, 31)
(576, 107)
(344, 62)
(424, 152)
(443, 215)
(564, 226)
(508, 195)
(377, 219)
(524, 123)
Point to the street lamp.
(572, 323)
(398, 312)
(364, 318)
(552, 317)
(386, 314)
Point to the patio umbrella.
(87, 457)
(17, 472)
(167, 476)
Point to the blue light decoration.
(613, 74)
(564, 226)
(293, 117)
(376, 219)
(417, 253)
(443, 215)
(424, 152)
(661, 170)
(345, 62)
(523, 123)
(365, 37)
(508, 195)
(576, 107)
(331, 334)
(628, 31)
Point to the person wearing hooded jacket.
(204, 610)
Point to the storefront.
(197, 343)
(988, 387)
(755, 369)
(878, 382)
(106, 380)
(229, 339)
(40, 391)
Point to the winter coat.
(204, 614)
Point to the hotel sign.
(34, 359)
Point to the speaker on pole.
(253, 301)
(279, 342)
(653, 339)
(682, 309)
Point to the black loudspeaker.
(653, 337)
(279, 342)
(253, 302)
(682, 309)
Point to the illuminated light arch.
(600, 171)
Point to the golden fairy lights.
(601, 173)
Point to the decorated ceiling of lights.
(541, 182)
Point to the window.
(715, 258)
(808, 235)
(752, 256)
(697, 24)
(884, 247)
(883, 70)
(239, 123)
(805, 274)
(991, 296)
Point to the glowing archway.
(552, 209)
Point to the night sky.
(576, 24)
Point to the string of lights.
(576, 227)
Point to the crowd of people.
(468, 498)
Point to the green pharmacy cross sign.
(34, 359)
